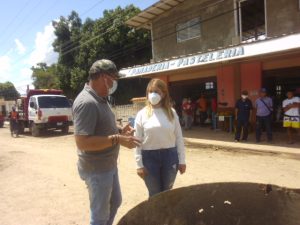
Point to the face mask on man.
(244, 96)
(113, 88)
(154, 98)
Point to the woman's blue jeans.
(161, 166)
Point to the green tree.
(67, 31)
(8, 91)
(80, 45)
(45, 77)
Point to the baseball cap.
(104, 66)
(263, 90)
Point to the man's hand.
(129, 141)
(142, 172)
(127, 130)
(182, 168)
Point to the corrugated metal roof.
(144, 18)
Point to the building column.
(164, 78)
(228, 83)
(251, 78)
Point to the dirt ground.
(39, 184)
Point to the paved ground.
(40, 185)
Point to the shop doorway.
(278, 82)
(193, 89)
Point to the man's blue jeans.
(265, 121)
(104, 194)
(162, 167)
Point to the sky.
(26, 33)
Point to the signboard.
(185, 62)
(246, 50)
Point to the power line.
(153, 40)
(15, 17)
(85, 12)
(156, 39)
(26, 17)
(31, 27)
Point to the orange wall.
(226, 79)
(164, 78)
(251, 78)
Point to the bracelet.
(115, 139)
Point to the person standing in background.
(188, 113)
(162, 151)
(202, 104)
(243, 112)
(264, 110)
(291, 119)
(214, 108)
(14, 122)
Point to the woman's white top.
(158, 132)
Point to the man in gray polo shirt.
(98, 141)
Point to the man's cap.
(104, 66)
(244, 92)
(263, 90)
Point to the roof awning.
(144, 18)
(247, 50)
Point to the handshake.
(127, 139)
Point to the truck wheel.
(35, 131)
(65, 130)
(1, 124)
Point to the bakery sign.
(184, 62)
(281, 44)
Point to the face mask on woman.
(154, 98)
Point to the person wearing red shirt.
(187, 111)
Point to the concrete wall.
(215, 32)
(283, 17)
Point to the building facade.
(221, 47)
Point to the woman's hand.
(141, 172)
(182, 168)
(129, 141)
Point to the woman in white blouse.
(162, 151)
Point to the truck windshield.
(53, 102)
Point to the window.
(251, 19)
(278, 90)
(188, 30)
(209, 85)
(53, 102)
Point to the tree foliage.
(8, 91)
(45, 77)
(79, 44)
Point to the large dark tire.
(35, 130)
(65, 129)
(1, 124)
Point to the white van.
(49, 112)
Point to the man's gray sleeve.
(85, 117)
